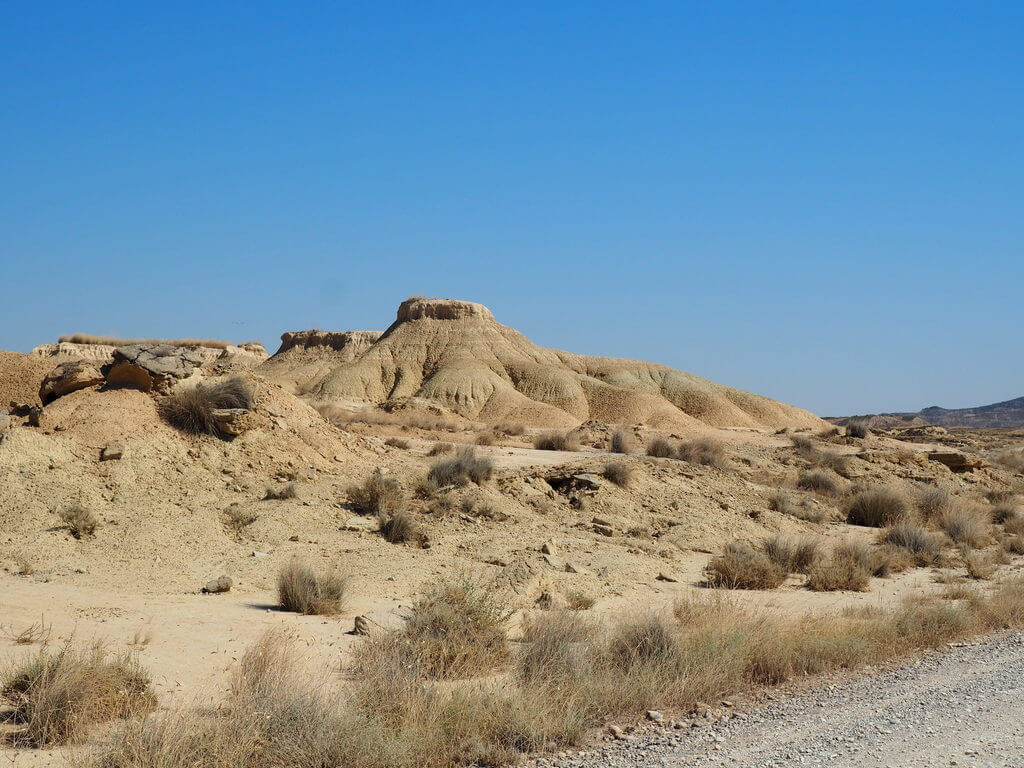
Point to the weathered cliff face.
(455, 354)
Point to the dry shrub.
(512, 430)
(932, 502)
(400, 527)
(741, 567)
(979, 566)
(857, 429)
(80, 522)
(57, 696)
(380, 494)
(623, 442)
(618, 472)
(1001, 513)
(1014, 525)
(836, 462)
(465, 468)
(877, 507)
(457, 628)
(965, 526)
(553, 645)
(783, 503)
(1013, 545)
(190, 409)
(704, 451)
(303, 590)
(577, 600)
(556, 441)
(644, 641)
(282, 493)
(924, 546)
(373, 416)
(819, 481)
(37, 632)
(1012, 460)
(237, 517)
(397, 442)
(486, 438)
(804, 446)
(845, 570)
(791, 553)
(440, 449)
(660, 448)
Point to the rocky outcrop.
(353, 342)
(69, 377)
(153, 368)
(101, 353)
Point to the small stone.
(361, 626)
(549, 548)
(662, 576)
(257, 553)
(655, 716)
(218, 585)
(604, 530)
(112, 451)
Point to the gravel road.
(963, 707)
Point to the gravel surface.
(962, 707)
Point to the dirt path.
(958, 708)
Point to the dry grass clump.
(836, 462)
(380, 494)
(804, 446)
(457, 628)
(819, 481)
(791, 553)
(37, 632)
(570, 676)
(1003, 512)
(1014, 525)
(844, 570)
(190, 409)
(704, 451)
(965, 526)
(924, 546)
(783, 503)
(58, 695)
(857, 429)
(465, 468)
(623, 442)
(1012, 460)
(397, 442)
(618, 472)
(742, 567)
(303, 590)
(577, 600)
(660, 448)
(237, 517)
(556, 441)
(80, 522)
(932, 502)
(979, 566)
(373, 416)
(441, 449)
(486, 438)
(282, 493)
(511, 430)
(400, 527)
(877, 507)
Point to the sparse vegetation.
(1012, 460)
(819, 481)
(932, 502)
(623, 442)
(80, 522)
(282, 492)
(979, 565)
(303, 590)
(857, 429)
(577, 600)
(618, 472)
(58, 695)
(965, 526)
(742, 567)
(924, 546)
(190, 409)
(380, 494)
(792, 554)
(877, 507)
(486, 438)
(660, 448)
(512, 430)
(845, 570)
(465, 468)
(399, 527)
(556, 441)
(237, 517)
(704, 451)
(1003, 512)
(397, 442)
(441, 449)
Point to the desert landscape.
(440, 544)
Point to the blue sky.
(821, 202)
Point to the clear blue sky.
(822, 202)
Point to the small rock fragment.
(218, 585)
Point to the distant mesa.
(455, 355)
(1008, 414)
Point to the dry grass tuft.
(924, 546)
(819, 481)
(380, 494)
(400, 527)
(932, 502)
(465, 468)
(979, 566)
(1005, 511)
(792, 554)
(190, 409)
(577, 600)
(877, 507)
(618, 472)
(783, 503)
(486, 438)
(397, 442)
(704, 451)
(80, 522)
(457, 628)
(37, 632)
(660, 448)
(1012, 460)
(556, 441)
(966, 526)
(857, 429)
(57, 696)
(303, 590)
(237, 517)
(1014, 525)
(847, 569)
(441, 449)
(282, 493)
(623, 442)
(512, 430)
(742, 567)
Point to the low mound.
(454, 353)
(20, 377)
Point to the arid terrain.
(155, 495)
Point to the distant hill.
(1005, 415)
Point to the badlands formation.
(86, 426)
